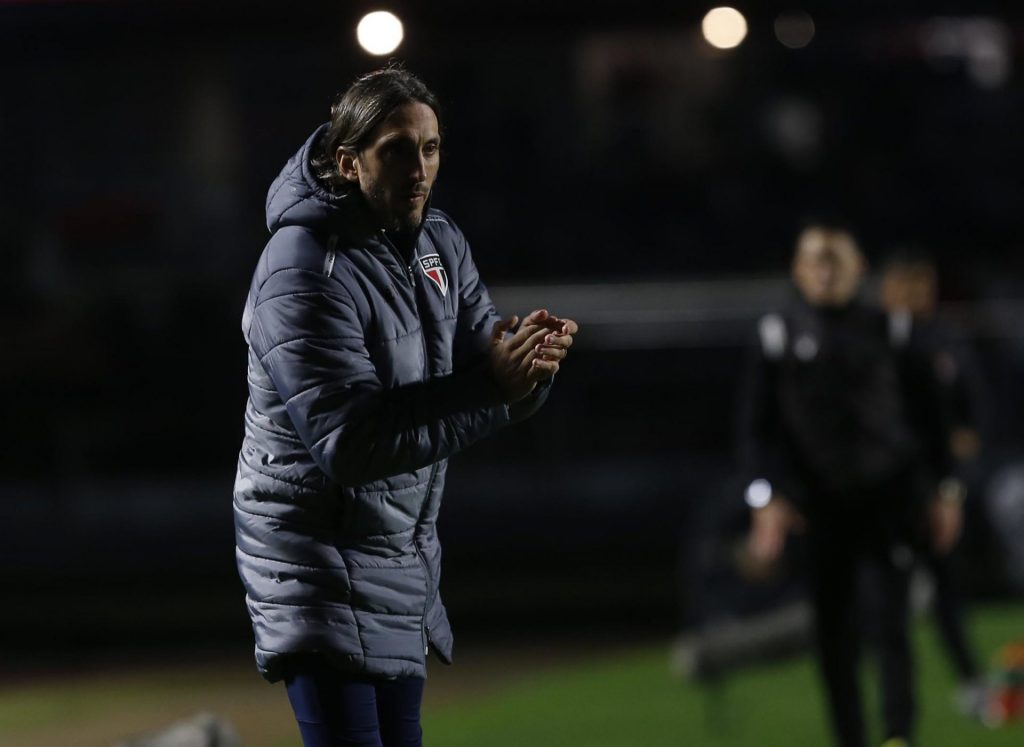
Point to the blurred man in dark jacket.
(909, 292)
(831, 415)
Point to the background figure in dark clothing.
(909, 292)
(830, 421)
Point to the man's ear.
(863, 266)
(348, 163)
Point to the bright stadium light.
(794, 29)
(759, 493)
(379, 32)
(724, 28)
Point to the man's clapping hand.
(531, 354)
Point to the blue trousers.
(335, 708)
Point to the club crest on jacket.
(433, 269)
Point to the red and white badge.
(433, 269)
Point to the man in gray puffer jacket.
(375, 353)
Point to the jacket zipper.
(424, 629)
(401, 260)
(426, 570)
(411, 274)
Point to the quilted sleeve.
(306, 332)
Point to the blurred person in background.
(909, 291)
(831, 445)
(375, 353)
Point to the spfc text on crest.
(433, 269)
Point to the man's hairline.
(397, 133)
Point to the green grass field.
(521, 698)
(634, 700)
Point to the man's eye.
(430, 148)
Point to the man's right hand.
(769, 527)
(512, 356)
(946, 521)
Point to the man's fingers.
(523, 334)
(551, 353)
(541, 369)
(500, 328)
(569, 327)
(767, 537)
(765, 549)
(946, 523)
(537, 316)
(561, 341)
(754, 547)
(529, 345)
(542, 317)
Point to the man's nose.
(419, 168)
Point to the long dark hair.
(356, 113)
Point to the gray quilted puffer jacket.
(365, 375)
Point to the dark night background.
(601, 158)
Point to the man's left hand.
(946, 522)
(554, 348)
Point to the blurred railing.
(711, 312)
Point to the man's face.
(828, 267)
(910, 287)
(397, 169)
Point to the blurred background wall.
(602, 158)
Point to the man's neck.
(404, 240)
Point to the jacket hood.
(296, 198)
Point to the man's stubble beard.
(406, 223)
(409, 223)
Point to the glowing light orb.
(380, 32)
(794, 29)
(759, 493)
(724, 28)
